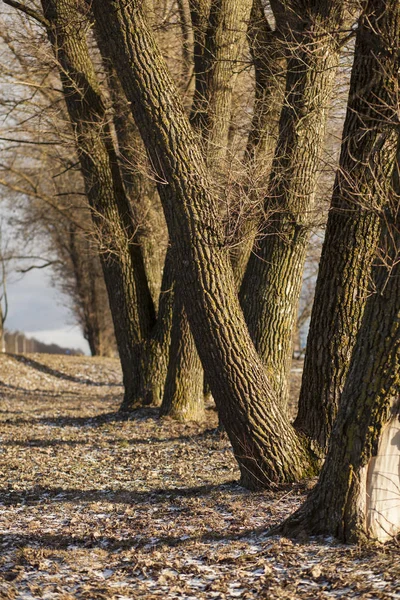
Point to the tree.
(358, 490)
(272, 283)
(81, 279)
(122, 261)
(357, 493)
(223, 36)
(360, 194)
(264, 443)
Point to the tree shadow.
(62, 542)
(141, 414)
(46, 495)
(33, 392)
(68, 421)
(30, 362)
(54, 442)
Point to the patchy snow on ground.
(93, 506)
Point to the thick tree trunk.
(272, 282)
(267, 50)
(352, 234)
(265, 445)
(358, 493)
(155, 357)
(183, 394)
(223, 44)
(121, 258)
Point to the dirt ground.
(95, 507)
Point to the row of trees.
(16, 342)
(237, 180)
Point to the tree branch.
(47, 264)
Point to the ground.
(93, 506)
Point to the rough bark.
(272, 282)
(199, 13)
(151, 231)
(267, 51)
(121, 257)
(187, 47)
(357, 495)
(223, 45)
(361, 189)
(183, 396)
(156, 354)
(212, 104)
(265, 445)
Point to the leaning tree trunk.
(223, 44)
(121, 257)
(358, 493)
(267, 51)
(155, 358)
(183, 396)
(352, 234)
(266, 447)
(272, 283)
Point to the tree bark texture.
(367, 162)
(223, 43)
(187, 46)
(265, 445)
(216, 72)
(272, 282)
(183, 395)
(122, 262)
(267, 51)
(156, 352)
(151, 230)
(344, 502)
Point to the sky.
(39, 310)
(35, 306)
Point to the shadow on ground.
(34, 364)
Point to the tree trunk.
(89, 294)
(267, 50)
(187, 48)
(351, 240)
(183, 395)
(358, 493)
(151, 232)
(223, 44)
(156, 352)
(272, 283)
(121, 258)
(265, 444)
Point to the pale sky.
(38, 310)
(35, 307)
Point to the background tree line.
(217, 112)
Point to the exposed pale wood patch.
(383, 485)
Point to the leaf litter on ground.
(96, 506)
